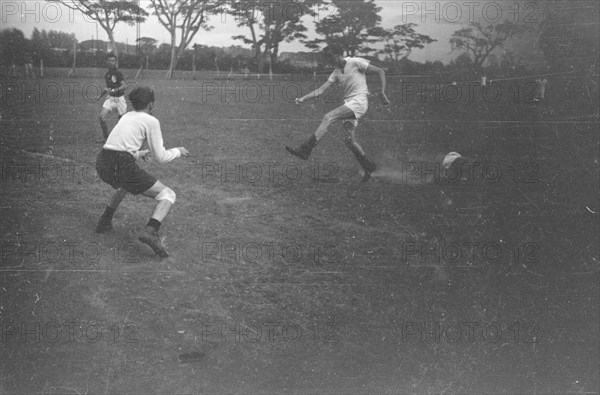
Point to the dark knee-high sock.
(359, 154)
(104, 129)
(154, 223)
(108, 212)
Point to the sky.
(438, 19)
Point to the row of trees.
(15, 48)
(56, 50)
(352, 24)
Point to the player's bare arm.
(146, 155)
(314, 94)
(381, 72)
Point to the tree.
(44, 44)
(401, 40)
(39, 44)
(270, 24)
(479, 41)
(147, 45)
(189, 16)
(108, 13)
(59, 40)
(12, 46)
(349, 27)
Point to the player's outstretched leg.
(303, 152)
(105, 221)
(165, 198)
(368, 166)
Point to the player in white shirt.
(117, 167)
(350, 73)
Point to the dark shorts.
(119, 170)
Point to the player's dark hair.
(333, 50)
(140, 97)
(111, 55)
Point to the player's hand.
(145, 155)
(105, 90)
(299, 100)
(384, 99)
(184, 153)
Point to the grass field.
(293, 277)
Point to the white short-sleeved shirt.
(133, 129)
(353, 80)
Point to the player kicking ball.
(115, 88)
(116, 166)
(350, 73)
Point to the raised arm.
(375, 69)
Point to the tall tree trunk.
(274, 53)
(113, 44)
(173, 62)
(259, 59)
(266, 60)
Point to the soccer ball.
(449, 159)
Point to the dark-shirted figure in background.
(28, 61)
(115, 88)
(350, 74)
(117, 167)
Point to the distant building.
(104, 46)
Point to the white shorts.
(113, 103)
(359, 106)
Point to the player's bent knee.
(166, 194)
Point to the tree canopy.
(348, 26)
(108, 13)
